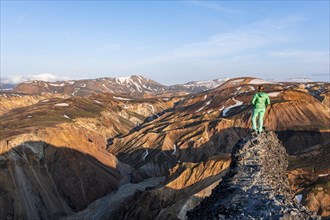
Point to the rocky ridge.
(256, 186)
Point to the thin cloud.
(280, 24)
(68, 35)
(300, 54)
(217, 46)
(141, 48)
(214, 6)
(245, 40)
(112, 46)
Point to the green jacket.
(260, 100)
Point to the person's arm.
(267, 101)
(254, 99)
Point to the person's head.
(260, 88)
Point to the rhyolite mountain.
(120, 156)
(133, 85)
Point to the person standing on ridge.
(260, 101)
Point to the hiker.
(260, 101)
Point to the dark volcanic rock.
(256, 186)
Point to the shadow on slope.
(41, 181)
(155, 161)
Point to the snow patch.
(75, 91)
(237, 81)
(238, 103)
(62, 104)
(123, 80)
(153, 110)
(144, 86)
(98, 102)
(29, 116)
(145, 155)
(174, 151)
(299, 197)
(58, 85)
(200, 109)
(121, 98)
(209, 84)
(209, 111)
(138, 87)
(273, 94)
(65, 116)
(105, 86)
(203, 106)
(323, 175)
(259, 81)
(300, 80)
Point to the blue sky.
(168, 41)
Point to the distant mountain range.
(132, 85)
(7, 87)
(135, 85)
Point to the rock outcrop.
(256, 186)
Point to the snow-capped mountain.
(6, 87)
(200, 86)
(300, 80)
(133, 85)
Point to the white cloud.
(42, 77)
